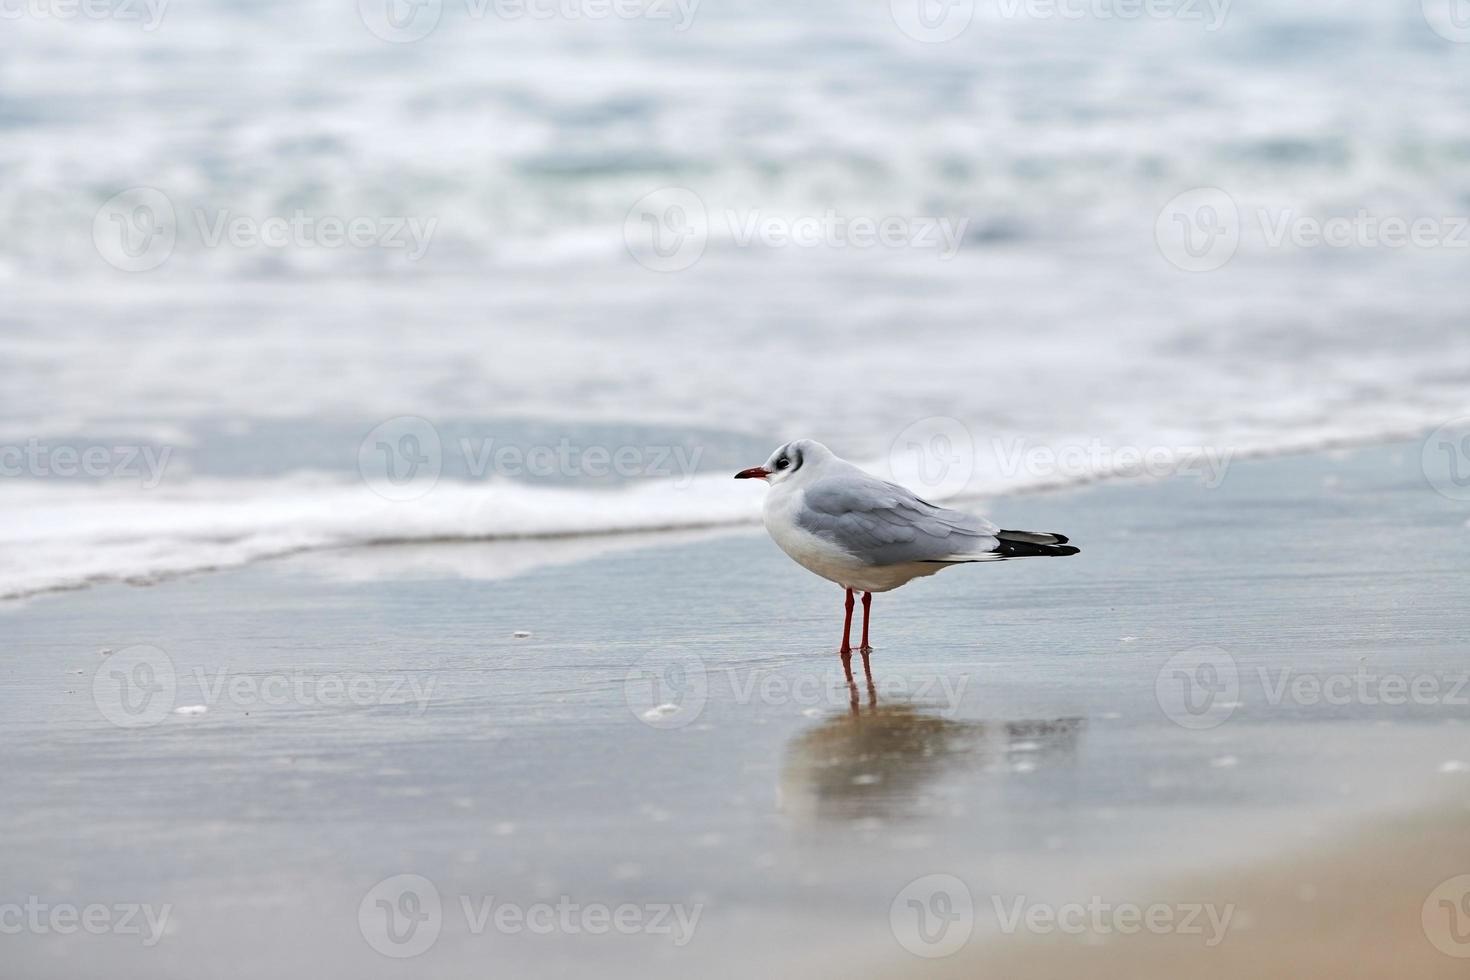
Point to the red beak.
(754, 473)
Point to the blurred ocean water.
(1037, 285)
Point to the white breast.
(826, 559)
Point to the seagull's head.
(793, 461)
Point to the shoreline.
(601, 540)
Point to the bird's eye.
(782, 463)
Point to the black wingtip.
(1029, 544)
(1024, 549)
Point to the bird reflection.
(878, 761)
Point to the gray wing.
(885, 524)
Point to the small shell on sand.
(521, 635)
(191, 709)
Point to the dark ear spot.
(795, 459)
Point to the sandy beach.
(376, 600)
(1242, 697)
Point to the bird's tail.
(1033, 544)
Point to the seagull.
(869, 535)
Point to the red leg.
(867, 607)
(846, 650)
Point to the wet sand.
(1379, 902)
(1135, 723)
